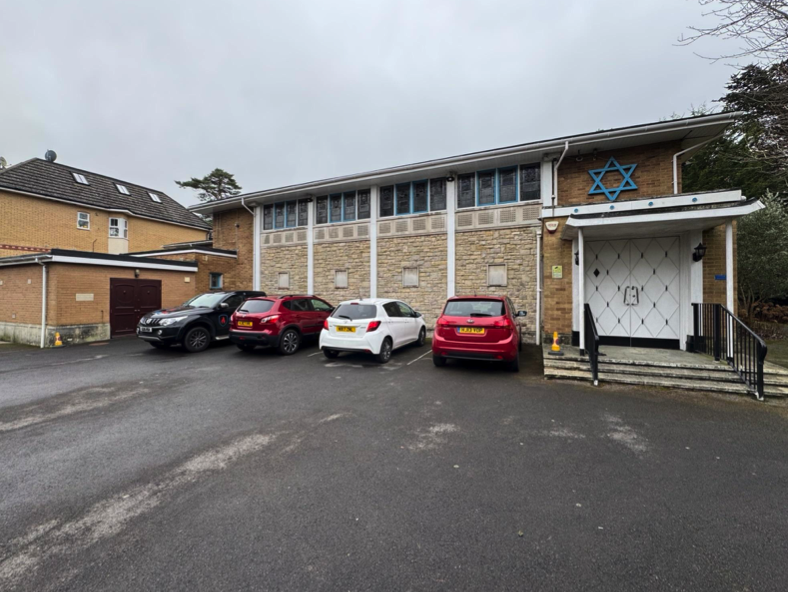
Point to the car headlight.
(171, 321)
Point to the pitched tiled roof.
(50, 179)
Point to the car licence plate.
(146, 330)
(472, 330)
(346, 329)
(244, 323)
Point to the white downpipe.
(581, 288)
(538, 286)
(676, 161)
(256, 259)
(43, 302)
(554, 197)
(374, 194)
(729, 281)
(310, 247)
(451, 202)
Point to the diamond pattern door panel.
(606, 280)
(655, 283)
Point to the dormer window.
(154, 197)
(122, 189)
(80, 179)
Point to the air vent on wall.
(419, 225)
(320, 234)
(385, 228)
(333, 233)
(508, 216)
(486, 217)
(289, 237)
(362, 230)
(347, 232)
(277, 238)
(465, 220)
(301, 236)
(438, 223)
(401, 226)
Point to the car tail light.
(441, 322)
(325, 324)
(271, 319)
(504, 322)
(372, 326)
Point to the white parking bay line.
(314, 354)
(420, 357)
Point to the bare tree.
(761, 25)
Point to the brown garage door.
(129, 299)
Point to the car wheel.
(439, 361)
(514, 365)
(289, 342)
(330, 353)
(385, 351)
(196, 340)
(159, 345)
(422, 337)
(247, 347)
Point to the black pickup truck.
(194, 324)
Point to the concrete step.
(715, 373)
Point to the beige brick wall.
(352, 256)
(557, 293)
(46, 224)
(207, 264)
(514, 247)
(292, 259)
(714, 263)
(234, 230)
(428, 255)
(20, 301)
(653, 174)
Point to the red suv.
(282, 322)
(478, 328)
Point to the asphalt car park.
(131, 468)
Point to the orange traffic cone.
(555, 350)
(58, 342)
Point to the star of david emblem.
(612, 192)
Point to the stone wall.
(714, 264)
(350, 256)
(292, 259)
(514, 247)
(428, 255)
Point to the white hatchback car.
(371, 325)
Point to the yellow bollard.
(555, 350)
(58, 343)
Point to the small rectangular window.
(335, 211)
(466, 194)
(507, 185)
(386, 201)
(340, 278)
(122, 189)
(403, 199)
(279, 215)
(118, 228)
(496, 275)
(530, 182)
(283, 280)
(217, 280)
(410, 277)
(350, 206)
(486, 188)
(420, 197)
(83, 220)
(437, 195)
(268, 217)
(303, 212)
(363, 204)
(321, 210)
(154, 197)
(291, 210)
(80, 179)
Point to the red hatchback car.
(282, 322)
(478, 328)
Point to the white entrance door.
(632, 287)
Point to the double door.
(129, 300)
(632, 287)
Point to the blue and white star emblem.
(612, 165)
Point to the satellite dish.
(51, 155)
(3, 162)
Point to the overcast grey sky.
(298, 90)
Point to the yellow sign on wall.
(558, 272)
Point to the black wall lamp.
(577, 257)
(700, 251)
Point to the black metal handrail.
(592, 344)
(720, 333)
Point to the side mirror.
(224, 306)
(419, 315)
(522, 313)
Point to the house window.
(268, 217)
(496, 275)
(486, 188)
(420, 197)
(403, 198)
(122, 189)
(507, 185)
(118, 228)
(283, 280)
(340, 278)
(437, 195)
(83, 220)
(279, 215)
(350, 206)
(466, 197)
(530, 182)
(303, 212)
(291, 210)
(217, 280)
(335, 211)
(386, 201)
(321, 210)
(154, 197)
(410, 277)
(363, 204)
(80, 179)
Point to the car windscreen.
(256, 306)
(356, 311)
(206, 300)
(474, 308)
